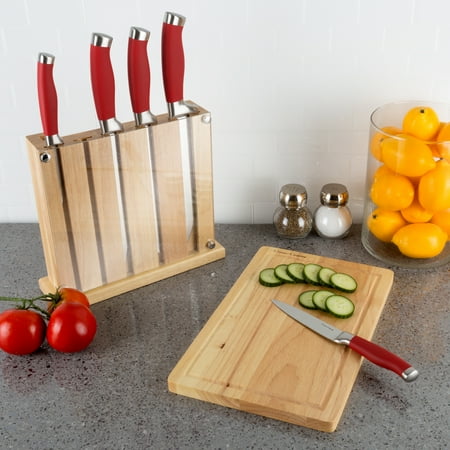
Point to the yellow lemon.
(421, 122)
(420, 240)
(407, 156)
(434, 188)
(384, 224)
(391, 191)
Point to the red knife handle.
(173, 57)
(48, 99)
(139, 70)
(383, 358)
(102, 76)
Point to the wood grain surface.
(252, 357)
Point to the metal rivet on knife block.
(45, 157)
(211, 243)
(293, 219)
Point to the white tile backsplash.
(290, 85)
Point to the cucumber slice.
(343, 282)
(267, 278)
(325, 275)
(281, 273)
(306, 299)
(339, 306)
(319, 298)
(295, 271)
(311, 273)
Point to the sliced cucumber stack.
(337, 305)
(312, 273)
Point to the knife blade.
(373, 352)
(103, 89)
(173, 66)
(139, 79)
(48, 99)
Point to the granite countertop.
(114, 394)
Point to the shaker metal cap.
(333, 195)
(293, 196)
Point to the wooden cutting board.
(252, 357)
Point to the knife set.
(127, 204)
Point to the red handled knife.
(139, 76)
(373, 352)
(48, 99)
(103, 89)
(103, 86)
(173, 66)
(173, 76)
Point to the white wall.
(290, 84)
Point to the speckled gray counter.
(114, 395)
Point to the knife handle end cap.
(174, 19)
(410, 374)
(139, 34)
(46, 58)
(101, 40)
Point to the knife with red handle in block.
(139, 84)
(103, 89)
(172, 54)
(139, 76)
(103, 86)
(48, 99)
(373, 352)
(173, 66)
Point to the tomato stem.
(29, 303)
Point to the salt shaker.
(333, 219)
(293, 219)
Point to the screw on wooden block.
(45, 157)
(210, 244)
(206, 118)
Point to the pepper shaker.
(293, 219)
(333, 219)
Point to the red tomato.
(21, 331)
(71, 327)
(69, 295)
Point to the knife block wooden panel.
(112, 209)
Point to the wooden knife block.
(114, 220)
